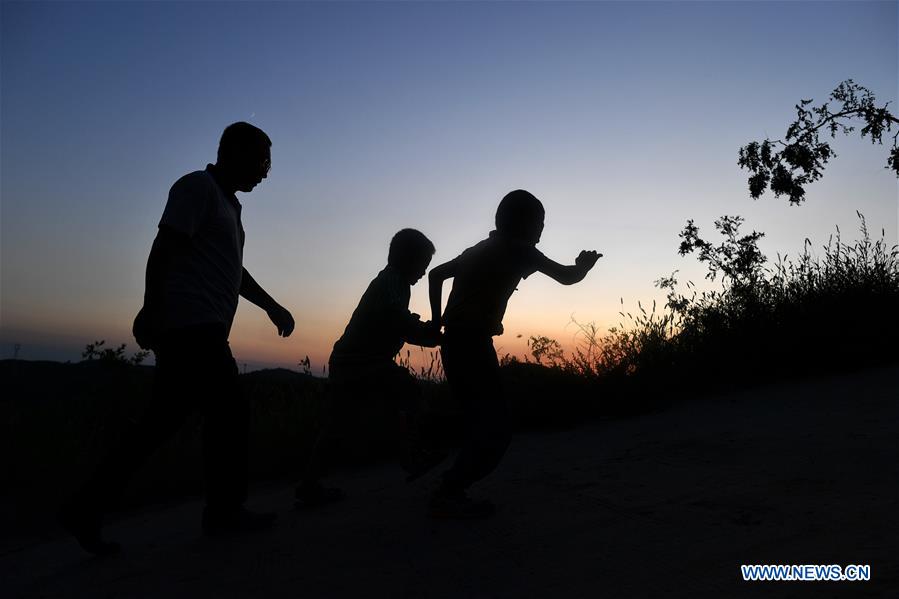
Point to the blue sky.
(624, 118)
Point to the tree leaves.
(802, 156)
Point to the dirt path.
(667, 504)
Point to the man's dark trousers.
(195, 372)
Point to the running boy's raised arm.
(436, 277)
(568, 275)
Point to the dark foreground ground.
(667, 504)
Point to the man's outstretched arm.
(254, 293)
(569, 275)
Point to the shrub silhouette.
(96, 351)
(764, 321)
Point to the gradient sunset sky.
(624, 118)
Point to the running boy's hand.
(568, 274)
(587, 259)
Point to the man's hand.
(147, 328)
(587, 259)
(282, 320)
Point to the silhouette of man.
(194, 276)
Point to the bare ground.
(668, 504)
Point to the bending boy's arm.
(399, 320)
(421, 333)
(436, 277)
(569, 275)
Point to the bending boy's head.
(520, 216)
(410, 253)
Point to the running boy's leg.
(472, 371)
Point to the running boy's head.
(410, 253)
(520, 216)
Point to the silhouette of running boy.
(362, 363)
(484, 278)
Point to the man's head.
(244, 155)
(520, 216)
(410, 253)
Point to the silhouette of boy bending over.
(484, 278)
(362, 362)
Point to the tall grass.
(817, 312)
(429, 365)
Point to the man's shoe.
(86, 526)
(459, 506)
(313, 496)
(238, 520)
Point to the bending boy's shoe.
(86, 526)
(459, 506)
(235, 520)
(313, 496)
